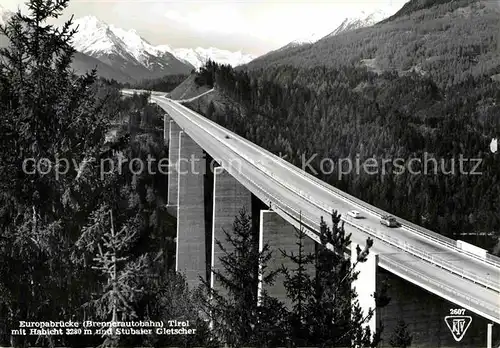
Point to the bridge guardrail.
(399, 244)
(431, 258)
(409, 226)
(469, 299)
(415, 251)
(300, 216)
(449, 289)
(493, 259)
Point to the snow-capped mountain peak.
(89, 22)
(363, 20)
(135, 44)
(378, 15)
(96, 37)
(93, 36)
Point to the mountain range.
(132, 55)
(125, 56)
(124, 51)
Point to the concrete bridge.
(431, 277)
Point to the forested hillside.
(163, 84)
(352, 113)
(447, 40)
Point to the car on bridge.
(228, 137)
(389, 221)
(354, 213)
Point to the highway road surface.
(453, 275)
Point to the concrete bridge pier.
(190, 253)
(366, 284)
(489, 336)
(229, 197)
(166, 129)
(279, 234)
(173, 158)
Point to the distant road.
(194, 98)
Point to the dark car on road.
(389, 221)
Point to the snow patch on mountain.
(372, 65)
(199, 56)
(364, 20)
(93, 36)
(309, 39)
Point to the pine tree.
(401, 337)
(332, 316)
(122, 275)
(210, 110)
(299, 288)
(47, 113)
(168, 297)
(241, 314)
(46, 108)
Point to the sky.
(251, 26)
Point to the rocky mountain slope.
(348, 24)
(448, 41)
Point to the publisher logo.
(458, 325)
